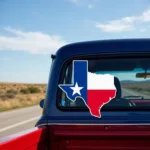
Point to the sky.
(32, 30)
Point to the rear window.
(132, 82)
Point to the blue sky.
(31, 30)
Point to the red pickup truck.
(73, 119)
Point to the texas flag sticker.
(96, 90)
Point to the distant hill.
(134, 81)
(127, 81)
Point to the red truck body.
(75, 137)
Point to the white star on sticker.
(76, 89)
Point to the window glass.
(132, 81)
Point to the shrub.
(34, 90)
(25, 91)
(11, 91)
(134, 88)
(10, 95)
(7, 95)
(30, 90)
(1, 92)
(148, 90)
(139, 89)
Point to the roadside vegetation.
(15, 95)
(140, 87)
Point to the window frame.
(96, 56)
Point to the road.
(18, 120)
(21, 119)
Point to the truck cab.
(122, 123)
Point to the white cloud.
(114, 26)
(33, 42)
(90, 6)
(125, 23)
(128, 19)
(145, 16)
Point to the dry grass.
(12, 98)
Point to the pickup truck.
(69, 122)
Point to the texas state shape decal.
(96, 90)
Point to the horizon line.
(21, 82)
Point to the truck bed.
(76, 137)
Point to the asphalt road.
(18, 120)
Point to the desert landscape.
(142, 87)
(18, 95)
